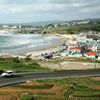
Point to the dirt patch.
(96, 78)
(29, 83)
(8, 97)
(55, 89)
(94, 87)
(4, 97)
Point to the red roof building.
(75, 49)
(91, 53)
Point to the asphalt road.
(23, 77)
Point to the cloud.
(48, 9)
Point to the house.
(65, 53)
(5, 26)
(96, 47)
(75, 49)
(90, 54)
(14, 27)
(73, 52)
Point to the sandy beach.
(63, 39)
(34, 53)
(39, 52)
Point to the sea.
(21, 43)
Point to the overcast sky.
(20, 11)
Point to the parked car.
(7, 74)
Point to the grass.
(65, 89)
(58, 30)
(26, 97)
(77, 88)
(45, 86)
(62, 29)
(20, 65)
(72, 29)
(56, 60)
(84, 88)
(83, 60)
(45, 93)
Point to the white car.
(7, 74)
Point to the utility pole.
(59, 65)
(94, 63)
(96, 56)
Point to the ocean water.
(17, 43)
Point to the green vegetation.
(46, 93)
(26, 97)
(83, 60)
(85, 88)
(72, 29)
(60, 59)
(58, 30)
(78, 88)
(45, 86)
(18, 65)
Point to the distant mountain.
(54, 22)
(60, 21)
(95, 20)
(45, 22)
(91, 20)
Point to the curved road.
(22, 77)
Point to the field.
(57, 89)
(21, 65)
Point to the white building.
(96, 47)
(5, 26)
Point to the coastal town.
(78, 46)
(85, 45)
(49, 49)
(79, 53)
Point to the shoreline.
(63, 39)
(38, 51)
(53, 48)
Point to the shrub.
(26, 97)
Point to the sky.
(22, 11)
